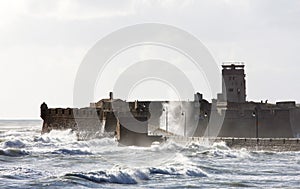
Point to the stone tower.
(234, 85)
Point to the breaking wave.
(104, 177)
(13, 144)
(56, 136)
(133, 176)
(13, 152)
(19, 173)
(193, 172)
(71, 152)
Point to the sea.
(58, 160)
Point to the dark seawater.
(57, 160)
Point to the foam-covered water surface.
(57, 159)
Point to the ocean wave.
(72, 152)
(190, 171)
(164, 171)
(13, 152)
(141, 175)
(202, 145)
(19, 173)
(237, 153)
(196, 173)
(57, 136)
(220, 145)
(168, 146)
(99, 142)
(134, 176)
(13, 144)
(217, 149)
(119, 177)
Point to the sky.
(42, 44)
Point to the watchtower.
(234, 85)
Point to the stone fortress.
(237, 117)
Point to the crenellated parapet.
(99, 117)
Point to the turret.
(234, 85)
(44, 110)
(111, 96)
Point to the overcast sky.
(42, 43)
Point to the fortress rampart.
(238, 118)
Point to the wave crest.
(13, 144)
(13, 152)
(119, 177)
(71, 152)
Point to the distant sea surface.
(57, 160)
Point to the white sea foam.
(57, 136)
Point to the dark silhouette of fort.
(138, 122)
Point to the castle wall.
(88, 122)
(271, 123)
(129, 136)
(295, 121)
(274, 121)
(58, 119)
(241, 123)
